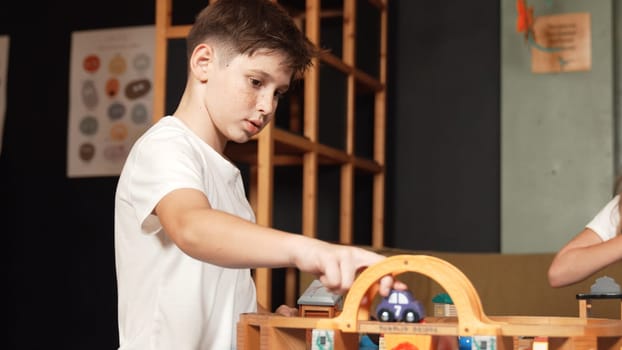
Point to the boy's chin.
(241, 139)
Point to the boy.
(185, 237)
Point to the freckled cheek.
(249, 99)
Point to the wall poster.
(563, 43)
(110, 97)
(4, 63)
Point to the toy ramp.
(276, 332)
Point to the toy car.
(400, 306)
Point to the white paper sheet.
(110, 97)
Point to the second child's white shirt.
(607, 220)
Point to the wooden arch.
(471, 317)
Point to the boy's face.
(243, 92)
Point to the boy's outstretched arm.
(226, 240)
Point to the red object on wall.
(524, 21)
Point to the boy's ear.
(201, 59)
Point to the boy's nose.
(266, 103)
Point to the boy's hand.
(285, 310)
(282, 310)
(336, 266)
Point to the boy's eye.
(255, 82)
(279, 94)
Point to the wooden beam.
(380, 137)
(265, 180)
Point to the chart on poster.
(110, 97)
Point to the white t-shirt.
(166, 299)
(607, 220)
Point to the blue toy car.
(400, 306)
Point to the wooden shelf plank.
(361, 77)
(290, 148)
(178, 31)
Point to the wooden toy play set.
(269, 331)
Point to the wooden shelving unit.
(299, 144)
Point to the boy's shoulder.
(166, 128)
(167, 124)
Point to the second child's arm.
(582, 256)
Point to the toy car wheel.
(385, 315)
(411, 316)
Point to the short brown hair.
(245, 26)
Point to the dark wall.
(443, 127)
(442, 184)
(58, 249)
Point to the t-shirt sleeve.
(607, 220)
(164, 162)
